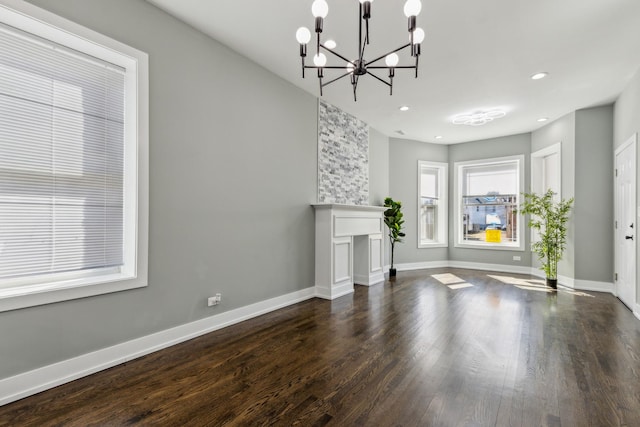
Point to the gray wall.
(626, 123)
(486, 149)
(232, 173)
(593, 208)
(403, 185)
(562, 130)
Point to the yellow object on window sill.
(493, 236)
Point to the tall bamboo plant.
(549, 219)
(393, 219)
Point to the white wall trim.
(37, 380)
(409, 266)
(589, 285)
(490, 267)
(636, 311)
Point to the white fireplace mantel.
(349, 248)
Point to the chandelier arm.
(336, 79)
(384, 67)
(364, 45)
(378, 78)
(326, 67)
(388, 53)
(336, 54)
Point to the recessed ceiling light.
(330, 44)
(438, 137)
(538, 76)
(543, 119)
(404, 108)
(478, 118)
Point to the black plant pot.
(552, 283)
(392, 272)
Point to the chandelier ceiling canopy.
(355, 68)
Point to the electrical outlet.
(516, 258)
(215, 300)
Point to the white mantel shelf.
(349, 248)
(338, 206)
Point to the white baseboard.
(589, 285)
(408, 266)
(505, 268)
(37, 380)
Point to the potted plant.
(393, 220)
(549, 219)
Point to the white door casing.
(626, 222)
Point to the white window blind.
(497, 178)
(429, 182)
(61, 159)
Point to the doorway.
(625, 222)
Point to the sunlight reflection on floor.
(447, 278)
(536, 285)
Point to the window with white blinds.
(432, 204)
(487, 196)
(69, 147)
(61, 159)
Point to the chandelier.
(355, 68)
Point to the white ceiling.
(477, 55)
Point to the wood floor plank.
(409, 352)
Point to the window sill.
(14, 298)
(490, 246)
(432, 245)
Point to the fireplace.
(349, 248)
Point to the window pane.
(61, 158)
(490, 179)
(429, 182)
(491, 219)
(429, 220)
(432, 204)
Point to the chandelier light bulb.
(418, 35)
(364, 1)
(391, 60)
(330, 44)
(320, 60)
(303, 35)
(320, 9)
(412, 8)
(350, 67)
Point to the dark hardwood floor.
(412, 352)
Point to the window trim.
(457, 204)
(45, 24)
(443, 205)
(537, 175)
